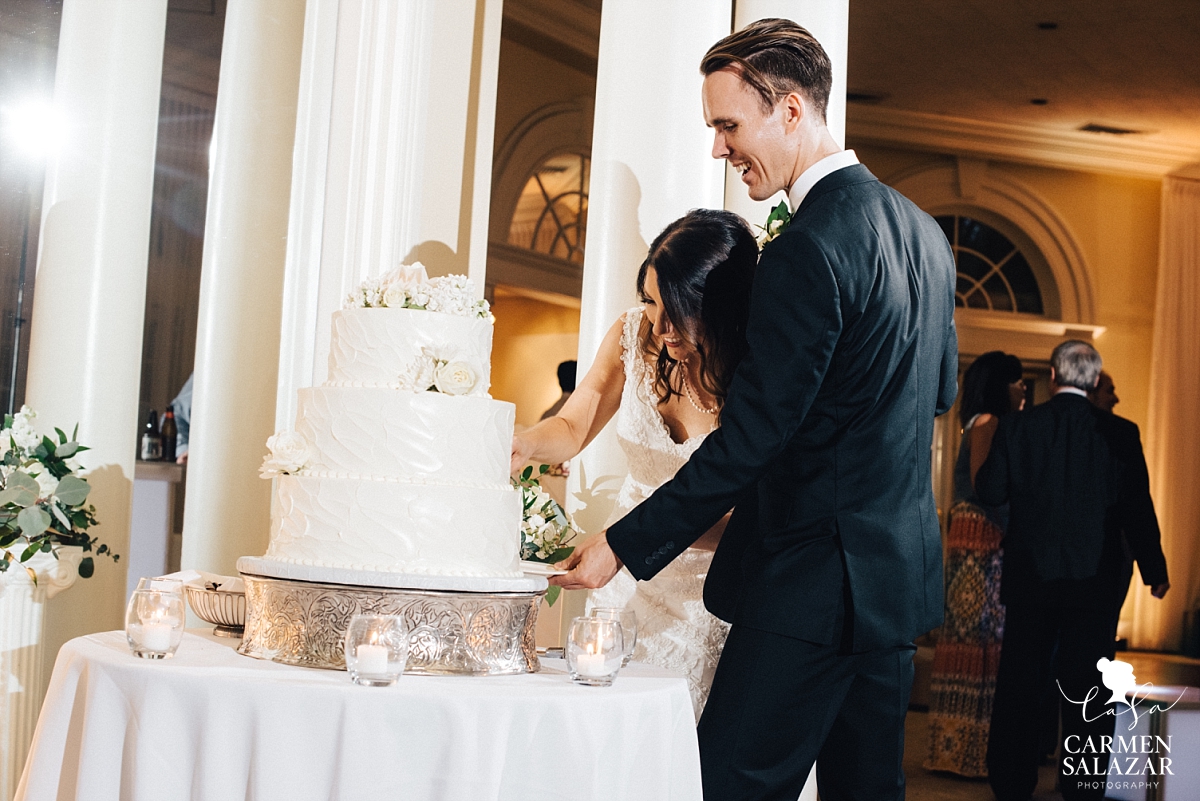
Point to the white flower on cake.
(455, 378)
(24, 436)
(439, 373)
(419, 375)
(289, 454)
(409, 287)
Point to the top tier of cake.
(377, 347)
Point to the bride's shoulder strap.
(630, 346)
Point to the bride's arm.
(590, 407)
(708, 540)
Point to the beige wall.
(531, 338)
(1115, 223)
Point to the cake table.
(210, 725)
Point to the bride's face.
(678, 348)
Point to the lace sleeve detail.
(630, 348)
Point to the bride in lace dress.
(663, 369)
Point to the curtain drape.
(1172, 436)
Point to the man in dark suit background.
(1075, 478)
(831, 563)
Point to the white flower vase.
(22, 683)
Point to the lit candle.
(591, 664)
(372, 659)
(156, 634)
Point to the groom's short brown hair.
(775, 57)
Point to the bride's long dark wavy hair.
(704, 263)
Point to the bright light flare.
(33, 127)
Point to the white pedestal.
(22, 646)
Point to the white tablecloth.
(211, 725)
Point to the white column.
(1172, 442)
(85, 348)
(392, 160)
(651, 163)
(829, 21)
(227, 513)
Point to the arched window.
(993, 274)
(551, 213)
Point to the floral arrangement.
(777, 220)
(289, 454)
(431, 372)
(546, 528)
(42, 500)
(409, 287)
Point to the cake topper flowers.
(408, 286)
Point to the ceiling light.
(1093, 127)
(34, 127)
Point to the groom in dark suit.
(832, 561)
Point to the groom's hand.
(592, 565)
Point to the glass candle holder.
(376, 649)
(595, 647)
(628, 620)
(154, 620)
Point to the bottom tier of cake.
(387, 526)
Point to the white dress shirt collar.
(1071, 390)
(808, 179)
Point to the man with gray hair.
(1075, 478)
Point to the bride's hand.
(522, 452)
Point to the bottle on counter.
(169, 434)
(152, 446)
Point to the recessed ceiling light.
(865, 97)
(1039, 101)
(1093, 127)
(1048, 26)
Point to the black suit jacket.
(1075, 478)
(824, 444)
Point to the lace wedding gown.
(675, 631)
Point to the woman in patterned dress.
(968, 647)
(663, 369)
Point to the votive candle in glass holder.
(154, 622)
(595, 647)
(628, 620)
(376, 649)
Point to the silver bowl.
(225, 610)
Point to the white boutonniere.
(776, 221)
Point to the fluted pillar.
(86, 329)
(393, 159)
(241, 284)
(829, 21)
(651, 163)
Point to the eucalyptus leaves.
(42, 500)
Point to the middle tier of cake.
(396, 526)
(390, 433)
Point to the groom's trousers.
(778, 703)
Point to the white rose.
(289, 454)
(47, 484)
(455, 378)
(536, 522)
(395, 296)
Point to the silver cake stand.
(462, 626)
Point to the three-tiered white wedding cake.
(400, 462)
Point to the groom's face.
(755, 142)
